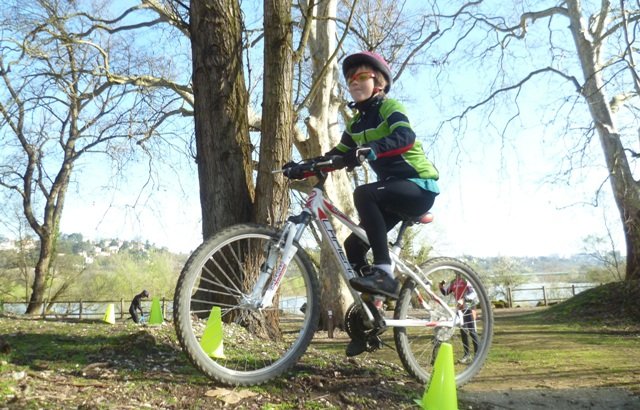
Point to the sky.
(166, 214)
(496, 200)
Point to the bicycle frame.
(317, 210)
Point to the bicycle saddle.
(422, 219)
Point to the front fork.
(285, 247)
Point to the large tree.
(68, 92)
(323, 133)
(584, 47)
(225, 168)
(272, 194)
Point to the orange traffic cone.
(440, 393)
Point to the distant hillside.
(575, 269)
(612, 304)
(545, 264)
(74, 245)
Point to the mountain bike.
(268, 294)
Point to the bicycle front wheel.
(471, 340)
(217, 322)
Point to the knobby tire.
(257, 344)
(417, 347)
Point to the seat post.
(401, 231)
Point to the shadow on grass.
(134, 352)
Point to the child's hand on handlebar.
(350, 158)
(292, 171)
(356, 156)
(307, 167)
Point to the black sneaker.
(356, 347)
(377, 281)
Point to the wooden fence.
(545, 294)
(86, 309)
(95, 309)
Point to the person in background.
(136, 305)
(466, 300)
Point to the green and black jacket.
(382, 125)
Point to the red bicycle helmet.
(371, 59)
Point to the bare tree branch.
(306, 29)
(517, 86)
(75, 103)
(316, 84)
(628, 52)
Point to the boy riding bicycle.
(256, 274)
(406, 178)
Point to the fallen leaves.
(230, 396)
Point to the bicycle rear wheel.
(255, 345)
(418, 346)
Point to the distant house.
(88, 259)
(11, 245)
(113, 249)
(7, 244)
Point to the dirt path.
(561, 399)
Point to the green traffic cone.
(211, 341)
(110, 315)
(155, 317)
(440, 393)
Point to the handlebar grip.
(338, 161)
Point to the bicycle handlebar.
(319, 165)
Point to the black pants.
(378, 205)
(469, 329)
(134, 314)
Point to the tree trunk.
(324, 133)
(40, 275)
(220, 115)
(625, 190)
(49, 229)
(221, 120)
(272, 193)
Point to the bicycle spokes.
(230, 272)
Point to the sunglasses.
(361, 76)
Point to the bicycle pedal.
(383, 344)
(374, 343)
